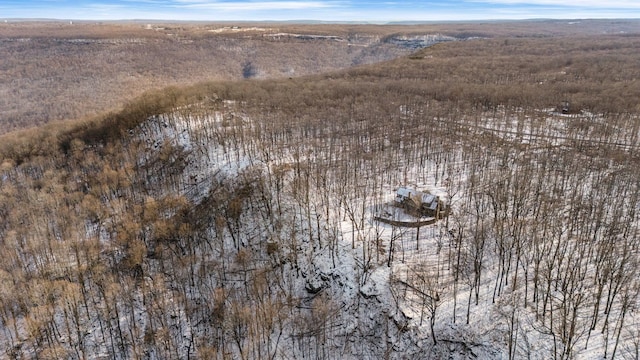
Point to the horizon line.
(302, 20)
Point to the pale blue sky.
(328, 10)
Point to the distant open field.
(60, 70)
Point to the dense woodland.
(61, 71)
(52, 71)
(235, 219)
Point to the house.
(419, 203)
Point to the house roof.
(405, 192)
(428, 198)
(425, 198)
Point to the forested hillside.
(237, 219)
(61, 71)
(57, 70)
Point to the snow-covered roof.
(428, 198)
(425, 198)
(405, 192)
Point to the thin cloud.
(155, 2)
(608, 4)
(332, 10)
(252, 5)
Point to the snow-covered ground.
(285, 258)
(357, 277)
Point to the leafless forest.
(61, 71)
(235, 219)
